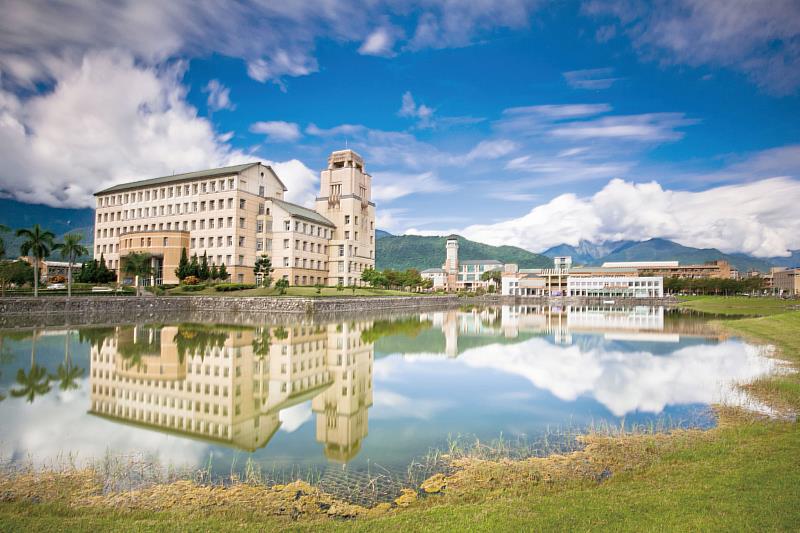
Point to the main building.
(235, 214)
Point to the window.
(260, 209)
(285, 244)
(287, 225)
(261, 190)
(241, 203)
(347, 219)
(259, 226)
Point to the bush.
(191, 280)
(227, 287)
(58, 278)
(193, 288)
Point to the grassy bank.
(737, 305)
(742, 475)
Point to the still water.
(367, 391)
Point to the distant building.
(718, 269)
(614, 280)
(786, 281)
(48, 269)
(460, 275)
(438, 277)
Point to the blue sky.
(511, 122)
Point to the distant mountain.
(18, 215)
(586, 253)
(665, 250)
(380, 234)
(413, 251)
(791, 261)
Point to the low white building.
(619, 286)
(437, 275)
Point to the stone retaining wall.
(101, 305)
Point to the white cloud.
(379, 43)
(492, 149)
(645, 127)
(108, 122)
(275, 39)
(301, 181)
(759, 39)
(591, 79)
(277, 130)
(292, 418)
(219, 96)
(749, 218)
(409, 108)
(390, 186)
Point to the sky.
(519, 122)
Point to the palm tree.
(71, 249)
(67, 373)
(138, 265)
(35, 382)
(37, 244)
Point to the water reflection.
(230, 384)
(303, 391)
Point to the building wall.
(165, 246)
(787, 281)
(637, 287)
(232, 218)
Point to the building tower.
(345, 190)
(451, 263)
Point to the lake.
(316, 398)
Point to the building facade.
(786, 281)
(456, 274)
(718, 269)
(233, 215)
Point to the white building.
(437, 275)
(619, 286)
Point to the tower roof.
(452, 237)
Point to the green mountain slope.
(400, 252)
(664, 250)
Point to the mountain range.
(592, 254)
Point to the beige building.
(236, 214)
(786, 281)
(458, 274)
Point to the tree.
(15, 272)
(223, 272)
(71, 249)
(183, 266)
(263, 269)
(204, 272)
(319, 286)
(495, 276)
(339, 286)
(103, 274)
(137, 265)
(37, 245)
(282, 285)
(214, 274)
(194, 267)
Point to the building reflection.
(229, 384)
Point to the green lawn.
(742, 475)
(309, 292)
(737, 305)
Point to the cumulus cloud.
(219, 96)
(625, 382)
(277, 130)
(749, 217)
(759, 39)
(107, 122)
(301, 181)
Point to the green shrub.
(227, 287)
(192, 288)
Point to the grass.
(308, 292)
(741, 475)
(737, 305)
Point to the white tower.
(345, 190)
(451, 262)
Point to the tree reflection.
(33, 383)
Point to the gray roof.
(433, 271)
(222, 171)
(303, 212)
(481, 262)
